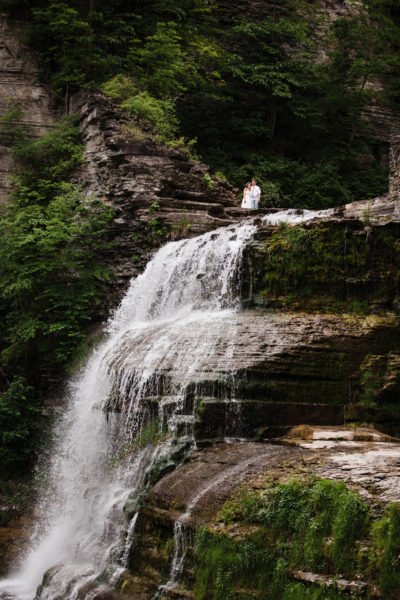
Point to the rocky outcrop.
(19, 86)
(347, 262)
(287, 368)
(195, 493)
(394, 180)
(16, 507)
(158, 193)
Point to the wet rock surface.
(288, 368)
(16, 518)
(210, 477)
(195, 492)
(361, 456)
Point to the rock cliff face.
(333, 359)
(157, 193)
(394, 181)
(19, 86)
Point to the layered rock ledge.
(194, 494)
(158, 193)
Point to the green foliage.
(52, 276)
(251, 92)
(44, 164)
(315, 261)
(153, 114)
(180, 229)
(21, 423)
(11, 130)
(49, 282)
(280, 70)
(289, 253)
(80, 43)
(161, 61)
(351, 523)
(208, 181)
(372, 371)
(308, 525)
(120, 88)
(385, 554)
(158, 115)
(156, 230)
(298, 591)
(314, 525)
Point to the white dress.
(246, 202)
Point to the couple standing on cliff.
(251, 195)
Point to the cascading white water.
(158, 344)
(295, 216)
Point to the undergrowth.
(331, 265)
(317, 525)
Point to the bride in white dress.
(246, 202)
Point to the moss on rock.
(337, 266)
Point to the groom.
(255, 194)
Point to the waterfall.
(129, 414)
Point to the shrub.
(298, 525)
(151, 113)
(21, 421)
(52, 278)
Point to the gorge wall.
(316, 358)
(158, 193)
(20, 87)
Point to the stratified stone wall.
(157, 193)
(394, 182)
(19, 85)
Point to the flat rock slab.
(199, 488)
(374, 466)
(360, 456)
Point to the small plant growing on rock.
(153, 208)
(208, 181)
(181, 229)
(366, 215)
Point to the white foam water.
(295, 216)
(158, 343)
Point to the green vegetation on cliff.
(51, 280)
(348, 267)
(317, 526)
(281, 95)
